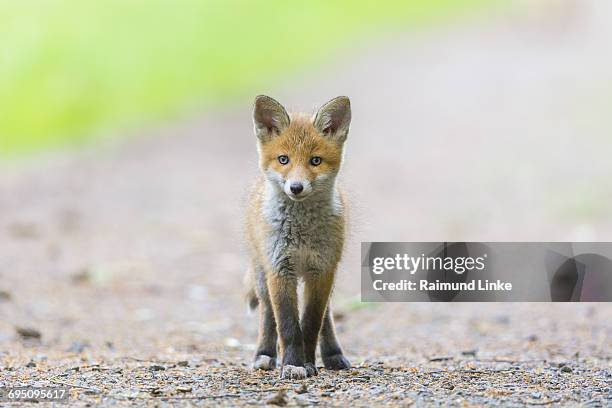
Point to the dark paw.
(336, 362)
(311, 369)
(263, 362)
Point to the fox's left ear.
(334, 118)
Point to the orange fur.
(301, 141)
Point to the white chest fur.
(303, 236)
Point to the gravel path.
(127, 259)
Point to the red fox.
(296, 224)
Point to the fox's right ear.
(269, 117)
(334, 118)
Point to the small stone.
(440, 358)
(40, 357)
(183, 363)
(31, 364)
(91, 392)
(305, 402)
(184, 388)
(232, 342)
(28, 333)
(566, 369)
(24, 230)
(5, 296)
(303, 389)
(280, 399)
(81, 276)
(157, 367)
(78, 347)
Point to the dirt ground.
(127, 259)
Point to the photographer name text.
(413, 264)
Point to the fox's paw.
(263, 362)
(336, 362)
(311, 369)
(291, 372)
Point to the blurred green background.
(74, 70)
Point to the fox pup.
(295, 229)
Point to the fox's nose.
(296, 188)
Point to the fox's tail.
(250, 294)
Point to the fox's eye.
(282, 159)
(316, 160)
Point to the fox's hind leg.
(331, 352)
(265, 357)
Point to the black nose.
(296, 188)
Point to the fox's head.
(301, 154)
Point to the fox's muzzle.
(297, 190)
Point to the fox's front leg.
(282, 287)
(317, 289)
(331, 352)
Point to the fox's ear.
(334, 118)
(270, 117)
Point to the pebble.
(5, 295)
(78, 347)
(232, 342)
(280, 399)
(157, 367)
(28, 332)
(440, 358)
